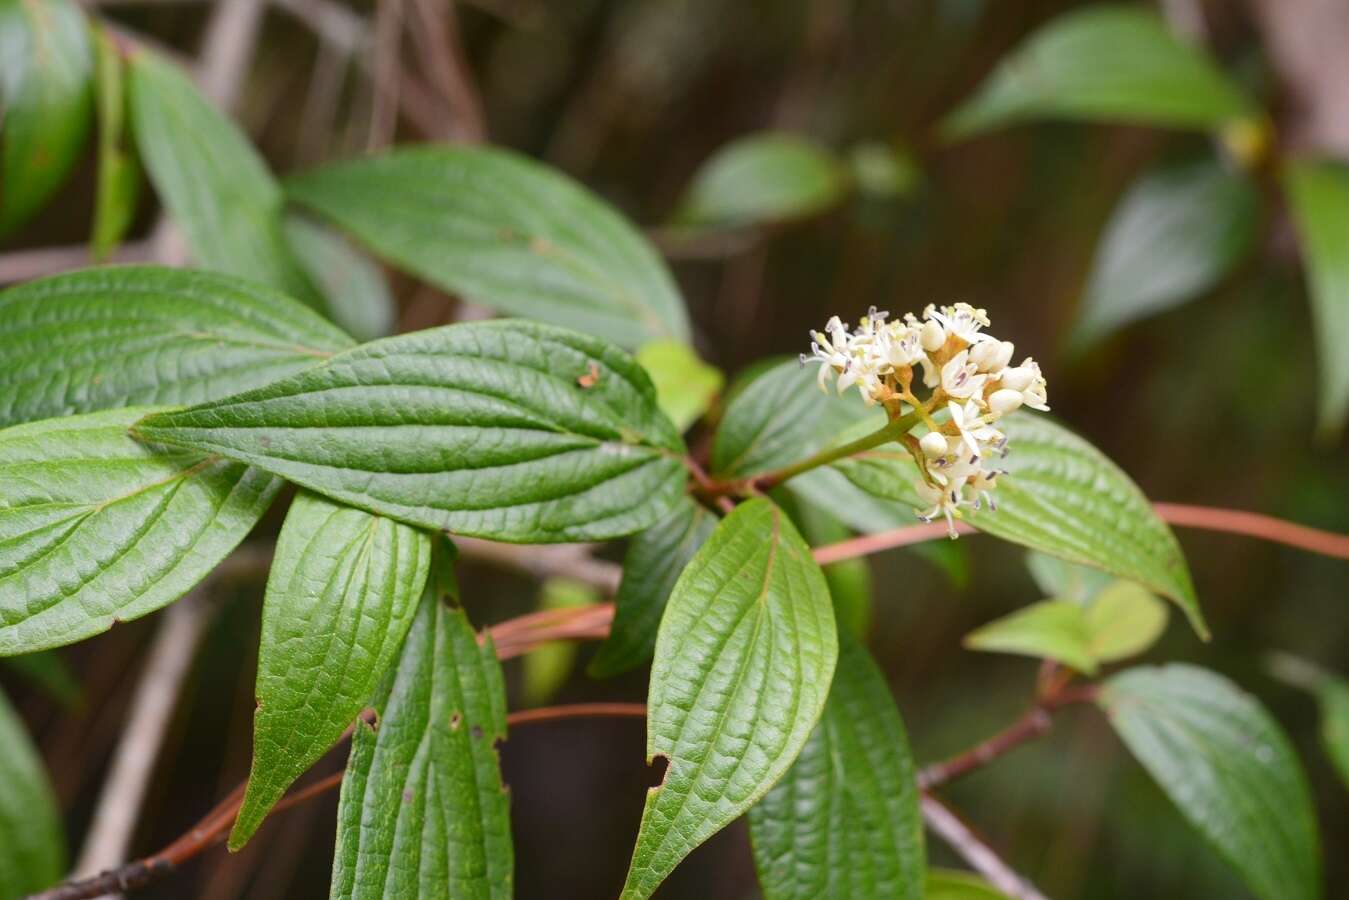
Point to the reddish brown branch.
(948, 825)
(577, 711)
(1256, 525)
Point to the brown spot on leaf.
(591, 377)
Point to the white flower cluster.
(971, 384)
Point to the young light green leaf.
(46, 98)
(844, 821)
(1050, 629)
(505, 232)
(1226, 764)
(96, 528)
(118, 175)
(32, 842)
(547, 668)
(1105, 63)
(744, 660)
(341, 593)
(1065, 580)
(100, 338)
(652, 565)
(1174, 236)
(685, 385)
(761, 179)
(951, 884)
(423, 814)
(1061, 496)
(1318, 195)
(355, 292)
(509, 430)
(51, 674)
(778, 418)
(1122, 621)
(214, 184)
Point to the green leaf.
(423, 813)
(547, 668)
(32, 841)
(1061, 496)
(341, 594)
(744, 659)
(50, 673)
(505, 232)
(1175, 235)
(355, 291)
(778, 418)
(950, 884)
(46, 102)
(121, 336)
(844, 821)
(508, 430)
(1065, 580)
(1318, 195)
(654, 561)
(1123, 620)
(1229, 768)
(1105, 63)
(763, 178)
(118, 174)
(1051, 629)
(96, 528)
(685, 385)
(214, 184)
(1334, 700)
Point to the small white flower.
(974, 428)
(1027, 379)
(902, 346)
(944, 502)
(933, 335)
(960, 377)
(961, 320)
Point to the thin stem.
(576, 711)
(884, 435)
(945, 823)
(1257, 525)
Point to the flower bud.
(1003, 356)
(983, 354)
(1004, 401)
(934, 442)
(1017, 379)
(933, 336)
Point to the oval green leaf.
(1318, 196)
(1106, 63)
(507, 430)
(652, 565)
(32, 840)
(341, 594)
(122, 336)
(778, 418)
(355, 292)
(46, 97)
(506, 232)
(1175, 234)
(744, 659)
(1051, 629)
(760, 179)
(118, 173)
(96, 528)
(1227, 765)
(844, 821)
(1061, 496)
(423, 814)
(686, 386)
(211, 180)
(1123, 620)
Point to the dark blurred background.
(1211, 403)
